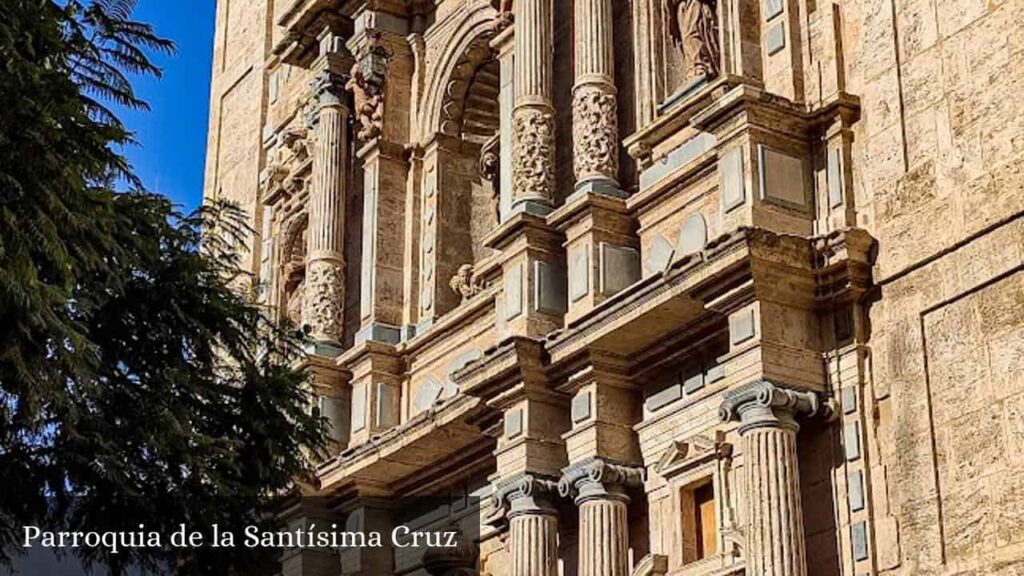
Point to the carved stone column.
(600, 492)
(774, 516)
(323, 309)
(533, 528)
(533, 119)
(594, 119)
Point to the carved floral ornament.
(534, 153)
(595, 133)
(323, 306)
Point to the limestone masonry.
(644, 287)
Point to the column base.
(599, 186)
(323, 348)
(378, 332)
(530, 206)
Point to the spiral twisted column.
(599, 490)
(533, 118)
(324, 301)
(533, 528)
(594, 106)
(775, 543)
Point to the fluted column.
(323, 309)
(774, 516)
(599, 489)
(594, 118)
(533, 119)
(533, 528)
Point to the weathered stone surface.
(896, 123)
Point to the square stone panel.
(359, 407)
(579, 272)
(835, 177)
(619, 268)
(772, 8)
(731, 180)
(775, 39)
(514, 423)
(513, 288)
(549, 284)
(580, 407)
(782, 177)
(855, 487)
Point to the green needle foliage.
(138, 384)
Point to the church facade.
(644, 287)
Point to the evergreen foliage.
(138, 383)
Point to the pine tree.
(137, 385)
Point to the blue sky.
(172, 136)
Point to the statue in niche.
(693, 27)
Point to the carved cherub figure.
(367, 103)
(462, 283)
(693, 26)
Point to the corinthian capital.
(595, 479)
(329, 88)
(764, 403)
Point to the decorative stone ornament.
(595, 133)
(599, 479)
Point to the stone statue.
(693, 26)
(367, 103)
(462, 283)
(504, 18)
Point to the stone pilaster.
(323, 309)
(533, 120)
(594, 105)
(533, 528)
(775, 543)
(599, 489)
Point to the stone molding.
(763, 403)
(598, 479)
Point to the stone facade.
(685, 287)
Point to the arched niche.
(293, 268)
(460, 195)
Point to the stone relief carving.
(368, 77)
(534, 153)
(368, 104)
(462, 283)
(693, 27)
(595, 133)
(490, 163)
(323, 308)
(504, 18)
(297, 140)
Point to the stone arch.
(468, 49)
